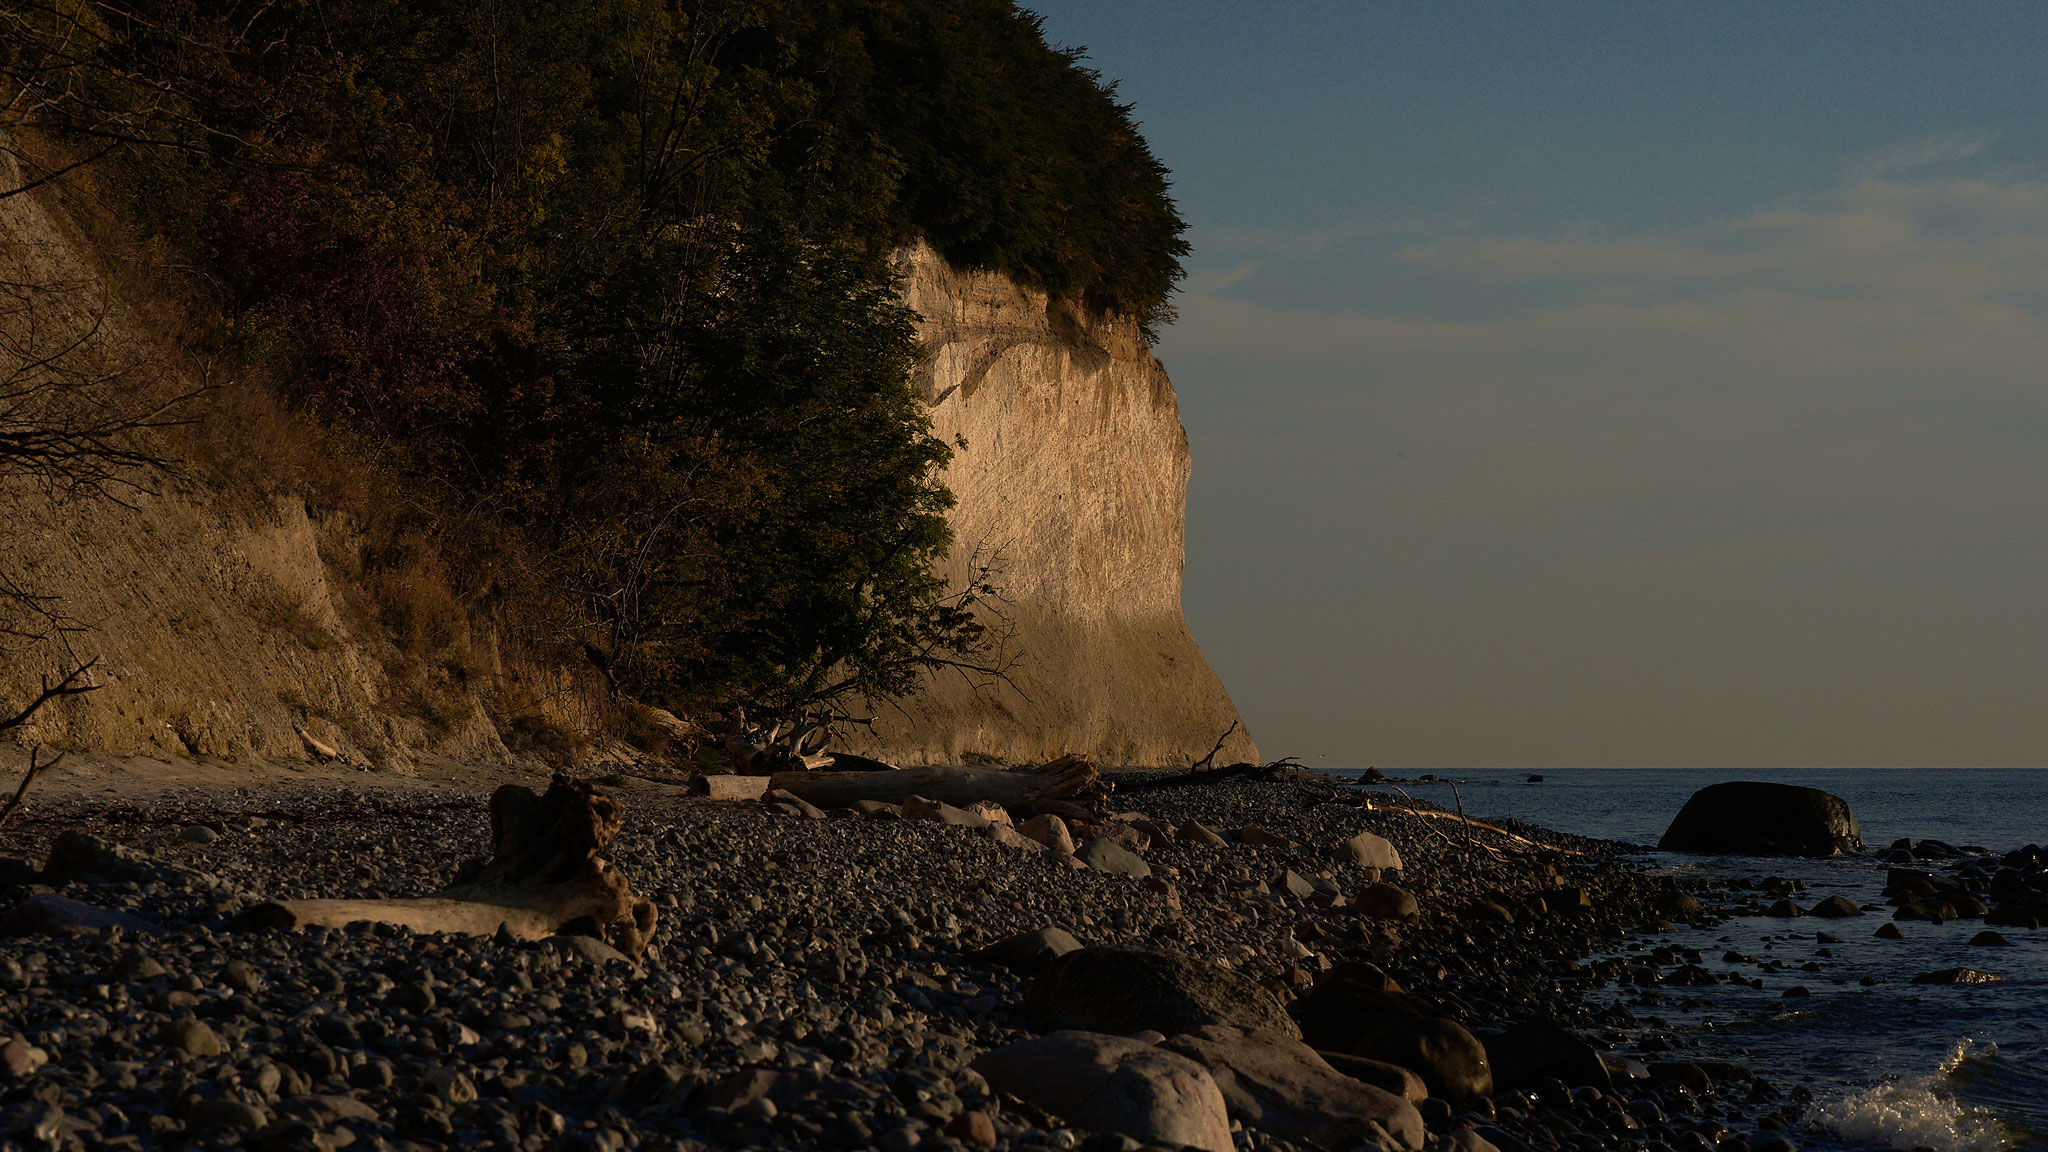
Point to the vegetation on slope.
(610, 278)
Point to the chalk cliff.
(228, 624)
(1074, 479)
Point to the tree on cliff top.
(615, 272)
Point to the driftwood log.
(546, 875)
(1061, 783)
(1471, 824)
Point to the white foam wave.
(1966, 1051)
(1918, 1114)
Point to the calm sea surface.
(1953, 1068)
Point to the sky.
(1609, 384)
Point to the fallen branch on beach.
(1205, 761)
(28, 777)
(1415, 809)
(1321, 791)
(1471, 825)
(546, 875)
(1281, 769)
(1067, 779)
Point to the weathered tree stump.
(546, 875)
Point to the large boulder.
(1369, 851)
(1050, 831)
(1748, 818)
(1122, 990)
(1279, 1086)
(1114, 1084)
(1540, 1049)
(1351, 1000)
(1956, 976)
(1355, 1008)
(1451, 1061)
(1391, 1078)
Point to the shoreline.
(835, 953)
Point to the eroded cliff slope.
(222, 621)
(1073, 479)
(232, 625)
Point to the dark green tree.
(615, 273)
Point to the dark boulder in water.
(1679, 904)
(1837, 906)
(1938, 911)
(1757, 819)
(1957, 976)
(2016, 916)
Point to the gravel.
(808, 985)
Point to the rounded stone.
(1387, 902)
(191, 1037)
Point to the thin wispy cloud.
(1936, 240)
(1311, 242)
(1202, 282)
(1922, 151)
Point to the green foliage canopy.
(618, 270)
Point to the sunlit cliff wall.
(1073, 479)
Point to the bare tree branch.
(27, 778)
(1205, 761)
(73, 406)
(109, 76)
(73, 684)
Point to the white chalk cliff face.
(1074, 476)
(233, 628)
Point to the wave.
(1921, 1113)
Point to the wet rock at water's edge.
(1751, 818)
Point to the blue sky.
(1610, 384)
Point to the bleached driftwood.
(546, 875)
(321, 751)
(732, 787)
(1470, 824)
(1069, 778)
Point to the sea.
(1953, 1068)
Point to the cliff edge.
(233, 625)
(1073, 481)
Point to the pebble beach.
(853, 979)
